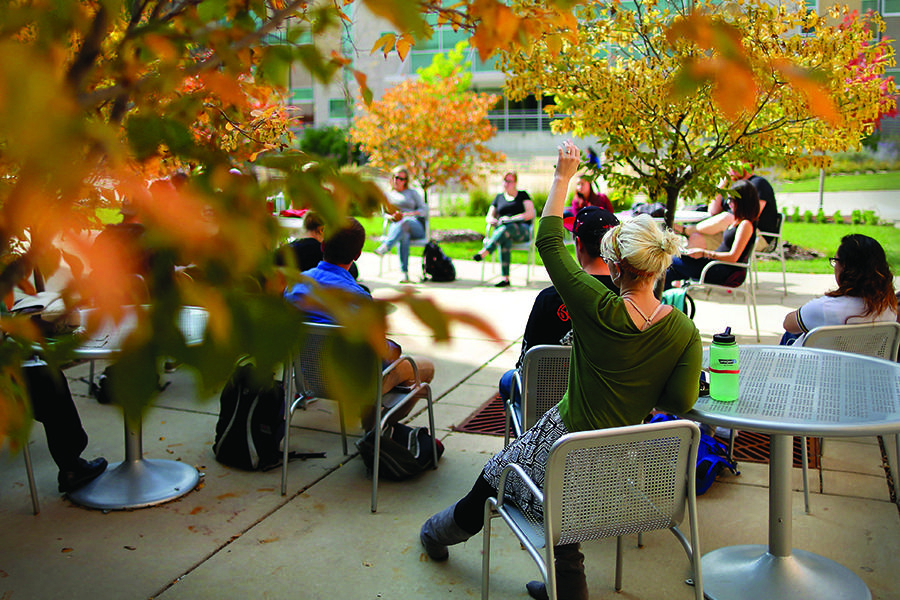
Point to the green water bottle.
(724, 367)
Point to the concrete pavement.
(235, 536)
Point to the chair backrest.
(881, 340)
(546, 379)
(617, 481)
(319, 373)
(779, 220)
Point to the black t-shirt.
(549, 320)
(768, 218)
(307, 254)
(505, 208)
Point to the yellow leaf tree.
(434, 126)
(677, 92)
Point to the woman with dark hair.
(865, 292)
(586, 196)
(737, 243)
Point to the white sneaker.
(381, 250)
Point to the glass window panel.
(489, 65)
(304, 94)
(420, 60)
(450, 38)
(891, 6)
(337, 108)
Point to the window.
(520, 115)
(444, 40)
(891, 7)
(811, 5)
(338, 109)
(301, 95)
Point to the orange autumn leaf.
(223, 86)
(817, 96)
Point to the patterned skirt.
(530, 452)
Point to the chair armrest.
(404, 358)
(713, 263)
(518, 470)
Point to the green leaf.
(275, 65)
(147, 133)
(212, 10)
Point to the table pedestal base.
(137, 484)
(750, 572)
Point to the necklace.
(647, 320)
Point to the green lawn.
(845, 183)
(823, 238)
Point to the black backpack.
(251, 421)
(436, 264)
(405, 451)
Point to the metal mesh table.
(137, 482)
(786, 391)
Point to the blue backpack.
(712, 456)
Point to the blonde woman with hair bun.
(630, 354)
(641, 245)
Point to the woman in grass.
(865, 292)
(511, 214)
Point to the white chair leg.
(897, 467)
(804, 453)
(35, 502)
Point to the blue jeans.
(402, 231)
(505, 236)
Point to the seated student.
(586, 196)
(306, 250)
(708, 233)
(549, 321)
(616, 338)
(53, 407)
(408, 220)
(340, 250)
(865, 292)
(735, 246)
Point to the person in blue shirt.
(339, 251)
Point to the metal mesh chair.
(542, 381)
(309, 375)
(529, 246)
(745, 289)
(881, 340)
(606, 483)
(774, 250)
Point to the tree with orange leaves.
(100, 98)
(678, 92)
(434, 126)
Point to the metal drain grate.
(489, 419)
